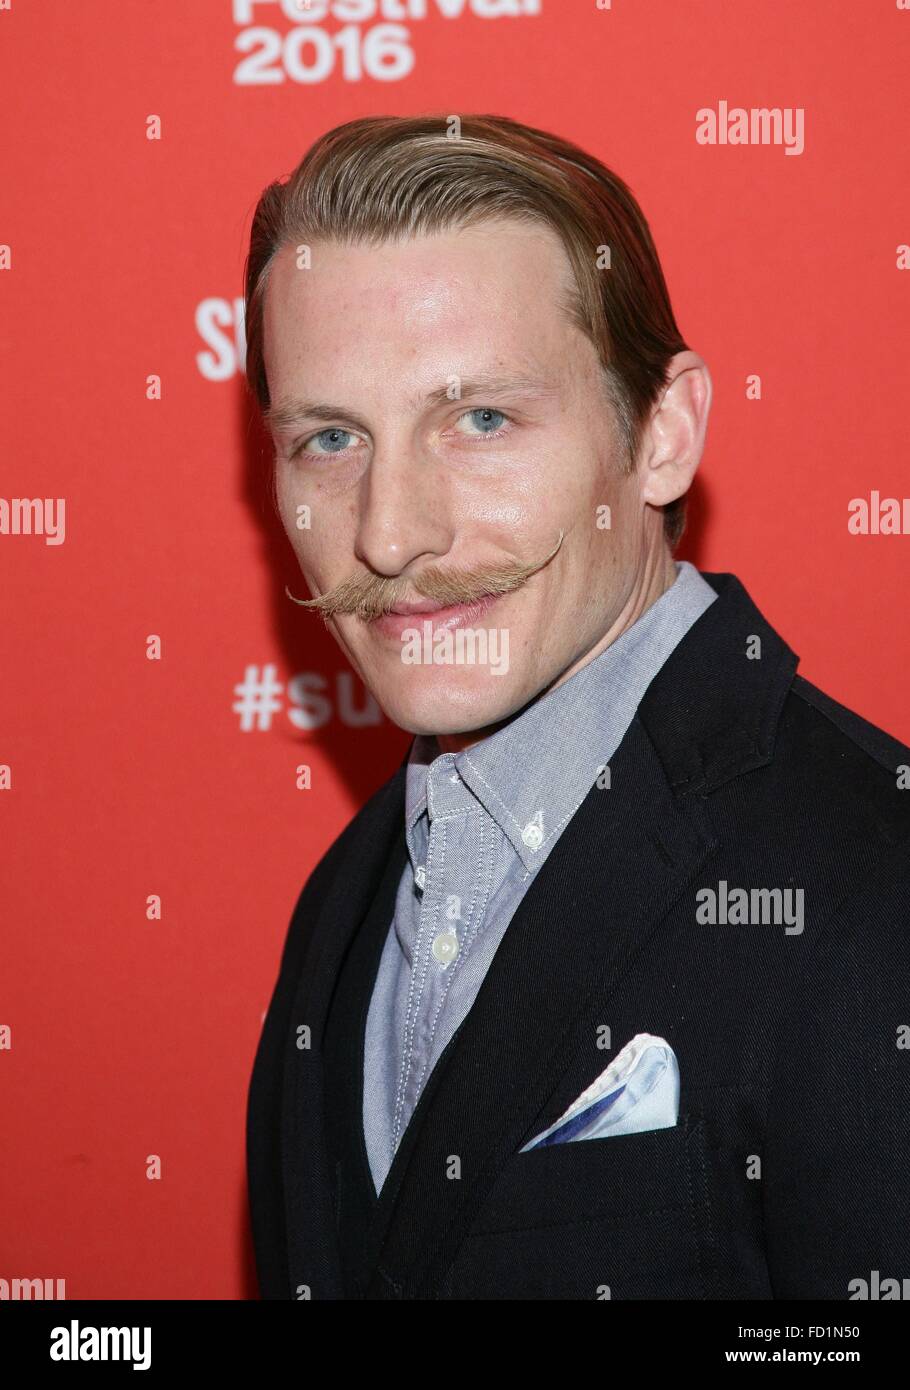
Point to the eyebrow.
(285, 414)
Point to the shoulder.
(844, 725)
(836, 805)
(343, 860)
(856, 775)
(383, 809)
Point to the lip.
(416, 614)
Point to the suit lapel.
(610, 878)
(313, 1252)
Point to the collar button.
(532, 836)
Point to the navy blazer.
(786, 1176)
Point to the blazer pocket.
(618, 1175)
(623, 1217)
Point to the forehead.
(465, 300)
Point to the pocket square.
(639, 1090)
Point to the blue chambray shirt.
(479, 824)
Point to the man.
(605, 993)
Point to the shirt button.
(420, 877)
(445, 947)
(532, 835)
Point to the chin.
(449, 702)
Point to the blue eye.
(485, 419)
(331, 441)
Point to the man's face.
(466, 426)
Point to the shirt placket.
(444, 880)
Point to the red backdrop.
(127, 1040)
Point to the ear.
(672, 445)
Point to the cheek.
(599, 553)
(288, 499)
(322, 560)
(321, 528)
(613, 516)
(583, 486)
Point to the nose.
(403, 512)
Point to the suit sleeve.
(836, 1161)
(263, 1120)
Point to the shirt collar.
(532, 774)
